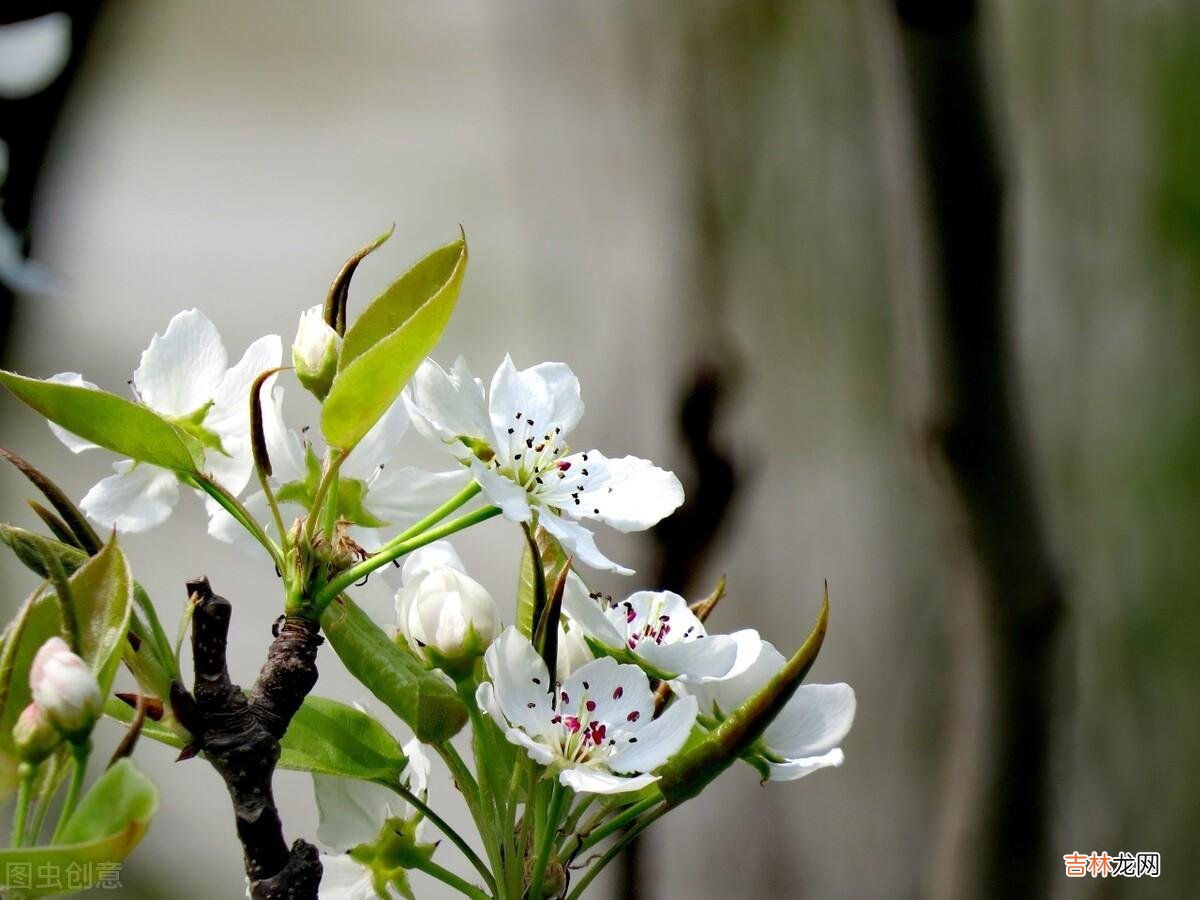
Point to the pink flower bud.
(33, 735)
(65, 688)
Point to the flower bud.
(315, 352)
(448, 617)
(34, 736)
(66, 689)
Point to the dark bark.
(239, 736)
(1008, 602)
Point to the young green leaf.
(388, 341)
(84, 536)
(554, 560)
(37, 621)
(691, 770)
(112, 422)
(425, 702)
(331, 738)
(103, 593)
(105, 827)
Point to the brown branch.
(1008, 603)
(240, 734)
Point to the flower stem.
(469, 788)
(455, 838)
(617, 822)
(440, 513)
(429, 867)
(27, 773)
(240, 514)
(394, 549)
(614, 851)
(314, 512)
(558, 797)
(79, 756)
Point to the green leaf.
(107, 825)
(112, 422)
(691, 770)
(331, 738)
(388, 341)
(162, 731)
(83, 535)
(553, 561)
(103, 592)
(37, 621)
(426, 703)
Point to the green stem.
(615, 851)
(429, 867)
(79, 756)
(572, 822)
(617, 822)
(455, 838)
(440, 513)
(27, 774)
(558, 797)
(394, 549)
(265, 483)
(234, 507)
(468, 787)
(314, 512)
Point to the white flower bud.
(573, 652)
(447, 616)
(315, 352)
(33, 735)
(66, 689)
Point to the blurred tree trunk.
(952, 325)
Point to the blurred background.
(923, 279)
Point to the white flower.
(377, 499)
(442, 609)
(596, 730)
(184, 376)
(656, 626)
(515, 444)
(33, 53)
(352, 813)
(573, 650)
(65, 689)
(315, 352)
(809, 728)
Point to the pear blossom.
(315, 352)
(376, 499)
(65, 689)
(443, 612)
(596, 730)
(185, 377)
(514, 442)
(353, 814)
(656, 626)
(34, 735)
(806, 734)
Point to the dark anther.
(364, 581)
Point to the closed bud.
(315, 352)
(33, 735)
(448, 618)
(66, 689)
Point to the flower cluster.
(568, 692)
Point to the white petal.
(582, 609)
(579, 543)
(182, 367)
(729, 691)
(573, 652)
(416, 773)
(230, 413)
(344, 879)
(32, 54)
(73, 442)
(706, 657)
(284, 446)
(351, 811)
(445, 405)
(379, 444)
(657, 741)
(628, 494)
(402, 495)
(584, 780)
(814, 721)
(798, 768)
(135, 499)
(502, 492)
(521, 682)
(620, 693)
(538, 752)
(438, 555)
(546, 394)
